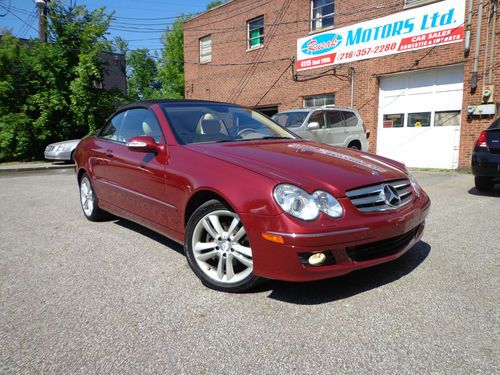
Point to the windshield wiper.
(276, 137)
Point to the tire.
(485, 184)
(89, 201)
(217, 249)
(354, 146)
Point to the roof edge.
(209, 10)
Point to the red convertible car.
(247, 198)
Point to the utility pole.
(42, 19)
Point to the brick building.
(408, 66)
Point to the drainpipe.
(468, 29)
(353, 77)
(492, 53)
(473, 83)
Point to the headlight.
(60, 147)
(416, 187)
(304, 206)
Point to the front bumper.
(57, 155)
(354, 242)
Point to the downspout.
(492, 53)
(468, 29)
(473, 83)
(353, 77)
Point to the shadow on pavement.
(494, 193)
(150, 234)
(318, 292)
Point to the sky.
(139, 22)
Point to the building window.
(414, 3)
(419, 119)
(322, 12)
(394, 120)
(447, 118)
(319, 100)
(255, 32)
(206, 49)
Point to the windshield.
(213, 122)
(290, 119)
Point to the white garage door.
(419, 117)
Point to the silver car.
(328, 124)
(63, 151)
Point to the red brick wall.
(285, 22)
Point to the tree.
(171, 70)
(215, 3)
(48, 90)
(142, 76)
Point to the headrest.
(210, 127)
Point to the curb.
(30, 168)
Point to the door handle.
(109, 153)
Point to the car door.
(353, 128)
(138, 178)
(336, 127)
(100, 161)
(321, 134)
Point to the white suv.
(328, 124)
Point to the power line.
(20, 19)
(7, 8)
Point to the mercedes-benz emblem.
(391, 196)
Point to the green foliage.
(48, 90)
(215, 3)
(171, 70)
(142, 76)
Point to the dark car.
(246, 197)
(486, 158)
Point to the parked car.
(328, 124)
(63, 151)
(486, 158)
(247, 198)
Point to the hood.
(71, 141)
(307, 164)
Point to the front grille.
(373, 198)
(382, 248)
(49, 148)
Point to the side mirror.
(313, 125)
(143, 144)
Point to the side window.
(334, 119)
(350, 118)
(140, 122)
(319, 117)
(111, 129)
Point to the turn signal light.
(276, 238)
(481, 141)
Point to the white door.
(419, 117)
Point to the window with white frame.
(255, 30)
(206, 49)
(412, 3)
(322, 13)
(319, 100)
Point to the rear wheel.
(218, 250)
(484, 183)
(88, 200)
(354, 146)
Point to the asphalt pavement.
(115, 298)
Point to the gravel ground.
(115, 298)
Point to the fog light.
(317, 259)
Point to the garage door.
(419, 117)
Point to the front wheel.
(88, 200)
(218, 250)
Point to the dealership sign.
(428, 26)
